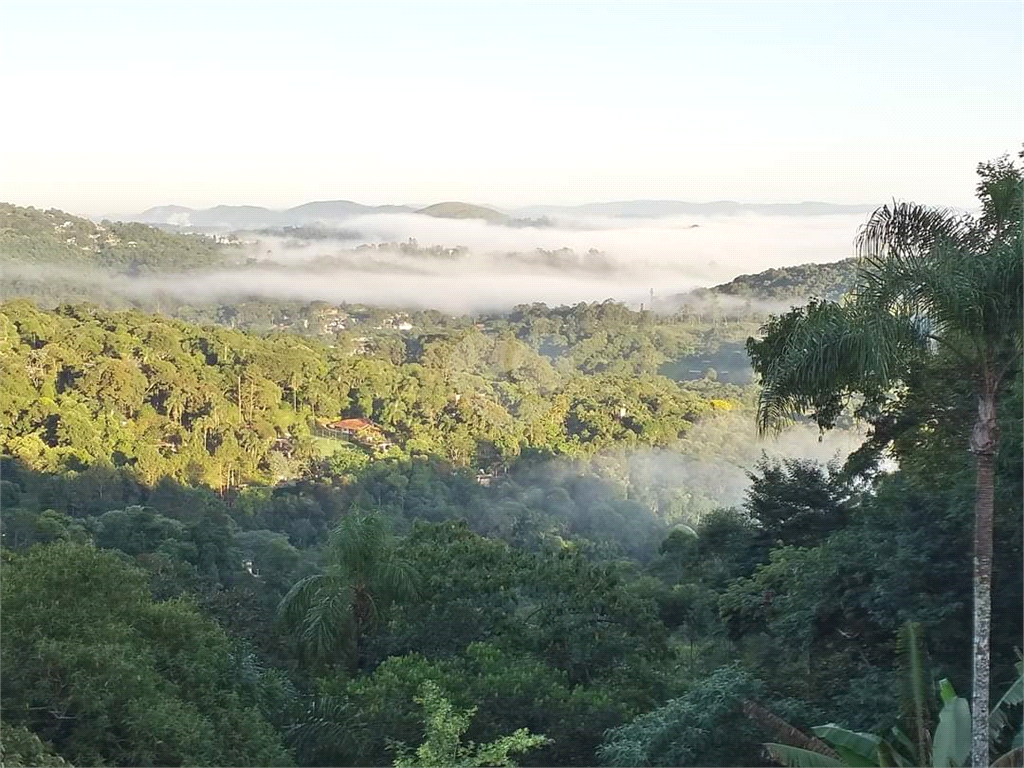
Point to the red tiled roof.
(353, 424)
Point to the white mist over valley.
(412, 260)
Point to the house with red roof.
(361, 430)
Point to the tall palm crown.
(331, 612)
(932, 284)
(930, 279)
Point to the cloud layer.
(498, 267)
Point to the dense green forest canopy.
(300, 533)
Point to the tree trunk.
(984, 445)
(784, 731)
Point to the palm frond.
(297, 600)
(328, 620)
(907, 228)
(328, 729)
(815, 358)
(917, 691)
(364, 576)
(949, 271)
(358, 542)
(397, 579)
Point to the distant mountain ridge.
(230, 217)
(254, 216)
(661, 208)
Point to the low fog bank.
(708, 470)
(712, 248)
(466, 287)
(413, 261)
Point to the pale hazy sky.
(114, 107)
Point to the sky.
(114, 107)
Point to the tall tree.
(331, 612)
(933, 284)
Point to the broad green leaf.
(795, 757)
(858, 749)
(888, 757)
(902, 747)
(952, 742)
(1014, 695)
(946, 691)
(854, 759)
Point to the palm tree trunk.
(784, 731)
(984, 445)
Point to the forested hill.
(219, 407)
(823, 281)
(54, 237)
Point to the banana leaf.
(998, 719)
(951, 744)
(888, 757)
(857, 749)
(903, 750)
(794, 757)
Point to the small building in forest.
(362, 431)
(353, 427)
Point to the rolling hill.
(32, 236)
(237, 217)
(456, 210)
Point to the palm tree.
(933, 285)
(332, 612)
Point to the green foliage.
(445, 726)
(797, 502)
(706, 726)
(951, 744)
(796, 757)
(916, 704)
(92, 665)
(203, 406)
(20, 748)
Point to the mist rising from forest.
(718, 452)
(707, 471)
(498, 266)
